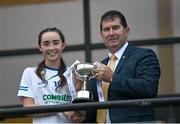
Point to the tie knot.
(113, 57)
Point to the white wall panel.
(141, 16)
(99, 55)
(71, 57)
(176, 17)
(20, 25)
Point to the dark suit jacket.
(135, 77)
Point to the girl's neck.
(54, 64)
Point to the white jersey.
(45, 93)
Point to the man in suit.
(135, 76)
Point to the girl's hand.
(76, 116)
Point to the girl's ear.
(64, 45)
(39, 47)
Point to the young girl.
(45, 84)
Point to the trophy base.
(82, 100)
(83, 96)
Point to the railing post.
(171, 118)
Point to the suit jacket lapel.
(105, 61)
(124, 57)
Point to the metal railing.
(156, 102)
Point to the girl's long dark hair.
(40, 69)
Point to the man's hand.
(103, 72)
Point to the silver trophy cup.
(83, 71)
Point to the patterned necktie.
(101, 113)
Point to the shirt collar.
(119, 53)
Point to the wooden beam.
(166, 55)
(25, 2)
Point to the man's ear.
(127, 30)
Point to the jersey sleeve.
(25, 88)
